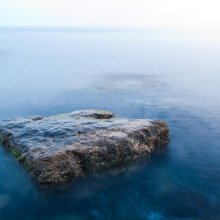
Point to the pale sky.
(111, 13)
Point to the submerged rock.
(59, 148)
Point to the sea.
(173, 75)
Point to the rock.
(58, 148)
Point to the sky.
(111, 13)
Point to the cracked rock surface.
(57, 149)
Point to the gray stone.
(58, 148)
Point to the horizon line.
(174, 28)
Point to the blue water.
(170, 75)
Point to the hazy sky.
(142, 13)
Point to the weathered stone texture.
(61, 147)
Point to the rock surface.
(59, 148)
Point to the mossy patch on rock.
(15, 153)
(27, 165)
(21, 158)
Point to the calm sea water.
(170, 75)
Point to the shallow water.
(170, 75)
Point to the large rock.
(59, 148)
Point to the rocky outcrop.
(58, 148)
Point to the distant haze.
(111, 13)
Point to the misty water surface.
(170, 75)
